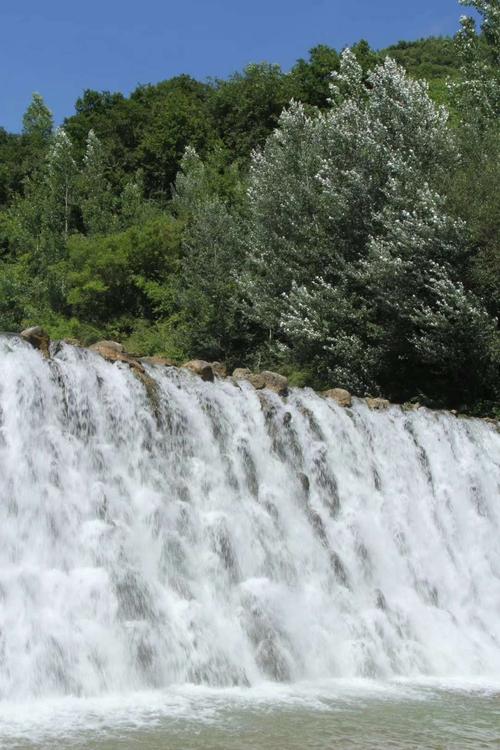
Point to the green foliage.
(123, 276)
(247, 107)
(178, 116)
(116, 121)
(354, 264)
(332, 222)
(11, 168)
(473, 186)
(96, 197)
(431, 58)
(210, 321)
(38, 122)
(311, 78)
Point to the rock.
(201, 368)
(108, 345)
(381, 601)
(265, 379)
(411, 406)
(58, 346)
(340, 395)
(112, 352)
(275, 382)
(256, 380)
(151, 387)
(38, 339)
(378, 404)
(243, 373)
(160, 361)
(219, 369)
(304, 482)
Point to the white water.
(144, 547)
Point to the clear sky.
(60, 47)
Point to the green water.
(359, 716)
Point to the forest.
(338, 222)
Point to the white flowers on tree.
(351, 254)
(60, 182)
(96, 198)
(41, 218)
(477, 93)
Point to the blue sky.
(60, 47)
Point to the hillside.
(357, 246)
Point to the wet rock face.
(340, 395)
(160, 361)
(219, 369)
(254, 378)
(275, 382)
(377, 404)
(38, 339)
(113, 346)
(114, 352)
(265, 379)
(201, 368)
(241, 373)
(408, 406)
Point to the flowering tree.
(95, 195)
(351, 252)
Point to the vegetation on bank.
(339, 222)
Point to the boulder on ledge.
(219, 369)
(160, 361)
(275, 382)
(340, 395)
(265, 379)
(111, 351)
(107, 348)
(38, 339)
(201, 368)
(243, 373)
(378, 404)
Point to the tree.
(117, 122)
(477, 92)
(95, 195)
(39, 222)
(331, 169)
(60, 185)
(344, 254)
(12, 168)
(210, 321)
(311, 78)
(112, 279)
(38, 123)
(474, 184)
(178, 117)
(247, 106)
(38, 128)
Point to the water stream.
(209, 537)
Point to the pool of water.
(360, 715)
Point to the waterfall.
(219, 535)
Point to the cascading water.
(219, 535)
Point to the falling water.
(209, 533)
